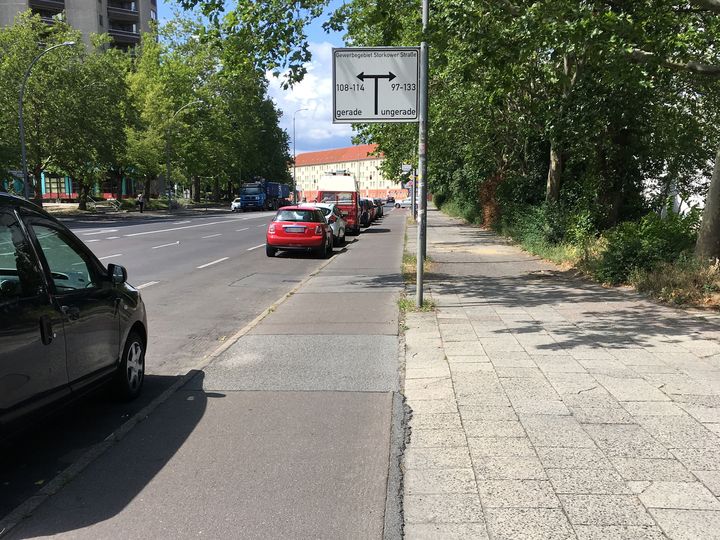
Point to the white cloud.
(314, 128)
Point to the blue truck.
(263, 195)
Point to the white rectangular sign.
(376, 84)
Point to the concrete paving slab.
(688, 524)
(446, 531)
(528, 524)
(349, 363)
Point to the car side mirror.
(117, 273)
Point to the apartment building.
(359, 161)
(123, 20)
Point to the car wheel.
(328, 246)
(131, 371)
(270, 251)
(342, 239)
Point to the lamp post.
(23, 151)
(294, 157)
(167, 147)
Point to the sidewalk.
(547, 407)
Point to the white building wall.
(366, 171)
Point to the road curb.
(26, 508)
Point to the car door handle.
(46, 330)
(71, 312)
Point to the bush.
(687, 280)
(641, 246)
(439, 199)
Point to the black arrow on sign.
(390, 76)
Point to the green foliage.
(98, 114)
(641, 246)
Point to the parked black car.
(67, 323)
(379, 208)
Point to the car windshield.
(251, 191)
(341, 197)
(236, 200)
(311, 216)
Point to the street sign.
(375, 84)
(406, 168)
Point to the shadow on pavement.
(45, 448)
(606, 318)
(112, 481)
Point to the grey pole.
(23, 151)
(294, 156)
(422, 158)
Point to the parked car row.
(315, 227)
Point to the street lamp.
(294, 156)
(167, 147)
(23, 151)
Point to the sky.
(314, 129)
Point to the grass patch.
(409, 267)
(685, 281)
(407, 305)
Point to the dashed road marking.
(167, 245)
(213, 262)
(111, 256)
(146, 285)
(250, 249)
(241, 230)
(212, 235)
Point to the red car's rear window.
(308, 216)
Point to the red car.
(297, 228)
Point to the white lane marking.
(241, 230)
(175, 228)
(250, 249)
(103, 231)
(95, 240)
(112, 238)
(111, 256)
(180, 222)
(166, 245)
(212, 235)
(148, 284)
(263, 225)
(211, 263)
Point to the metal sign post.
(422, 160)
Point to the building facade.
(359, 161)
(123, 20)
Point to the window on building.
(100, 19)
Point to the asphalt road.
(202, 278)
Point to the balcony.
(52, 6)
(124, 34)
(123, 11)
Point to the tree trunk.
(83, 190)
(216, 190)
(37, 185)
(708, 242)
(146, 190)
(196, 188)
(552, 193)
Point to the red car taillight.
(271, 229)
(319, 229)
